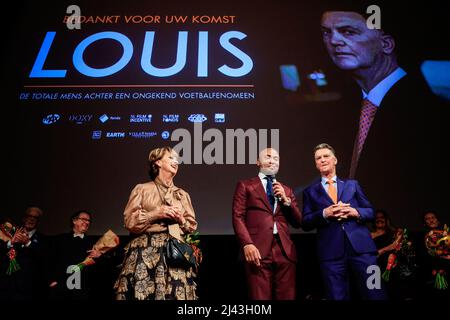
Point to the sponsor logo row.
(100, 134)
(132, 118)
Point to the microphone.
(273, 181)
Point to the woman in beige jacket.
(156, 209)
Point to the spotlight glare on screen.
(437, 75)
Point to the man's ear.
(387, 43)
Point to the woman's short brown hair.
(155, 155)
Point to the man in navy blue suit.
(338, 209)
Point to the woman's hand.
(172, 213)
(179, 216)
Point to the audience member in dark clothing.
(31, 247)
(430, 263)
(68, 250)
(391, 247)
(383, 235)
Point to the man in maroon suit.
(262, 210)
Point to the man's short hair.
(76, 214)
(389, 11)
(349, 6)
(324, 146)
(36, 209)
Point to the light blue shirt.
(378, 92)
(263, 179)
(325, 185)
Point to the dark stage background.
(221, 276)
(61, 166)
(57, 154)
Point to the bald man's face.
(268, 162)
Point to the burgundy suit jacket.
(253, 219)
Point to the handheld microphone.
(273, 181)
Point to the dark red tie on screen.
(368, 110)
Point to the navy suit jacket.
(331, 234)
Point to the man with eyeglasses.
(70, 249)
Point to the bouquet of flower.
(402, 257)
(106, 243)
(437, 243)
(7, 231)
(194, 240)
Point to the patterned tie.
(368, 110)
(332, 192)
(269, 191)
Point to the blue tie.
(269, 191)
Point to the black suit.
(68, 250)
(398, 166)
(28, 283)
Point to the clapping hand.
(20, 236)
